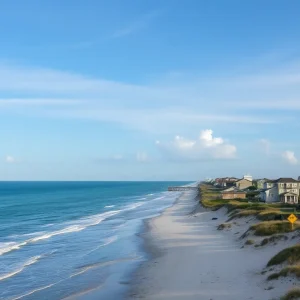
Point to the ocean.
(74, 240)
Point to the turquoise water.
(74, 240)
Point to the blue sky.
(149, 90)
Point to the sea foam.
(82, 224)
(29, 262)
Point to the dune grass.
(293, 294)
(290, 255)
(289, 270)
(213, 204)
(274, 227)
(242, 213)
(250, 242)
(224, 226)
(273, 239)
(269, 214)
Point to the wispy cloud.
(162, 107)
(289, 157)
(136, 25)
(10, 159)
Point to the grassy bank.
(238, 208)
(290, 255)
(274, 227)
(293, 294)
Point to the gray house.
(285, 190)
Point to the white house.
(284, 190)
(269, 195)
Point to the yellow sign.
(292, 218)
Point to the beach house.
(288, 190)
(269, 195)
(233, 193)
(260, 183)
(285, 190)
(225, 181)
(244, 183)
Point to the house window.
(282, 185)
(294, 184)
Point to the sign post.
(292, 219)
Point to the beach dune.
(192, 260)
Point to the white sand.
(194, 260)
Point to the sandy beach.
(191, 259)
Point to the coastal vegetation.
(224, 226)
(289, 270)
(274, 227)
(238, 208)
(273, 239)
(293, 294)
(250, 242)
(290, 255)
(269, 225)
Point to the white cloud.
(206, 147)
(142, 157)
(265, 145)
(289, 157)
(10, 159)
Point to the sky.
(149, 90)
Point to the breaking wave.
(29, 262)
(83, 223)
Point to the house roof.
(285, 180)
(270, 181)
(244, 179)
(262, 179)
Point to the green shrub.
(224, 226)
(250, 242)
(273, 239)
(273, 227)
(242, 213)
(293, 294)
(274, 276)
(290, 255)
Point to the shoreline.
(190, 259)
(152, 249)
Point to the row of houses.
(285, 190)
(242, 183)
